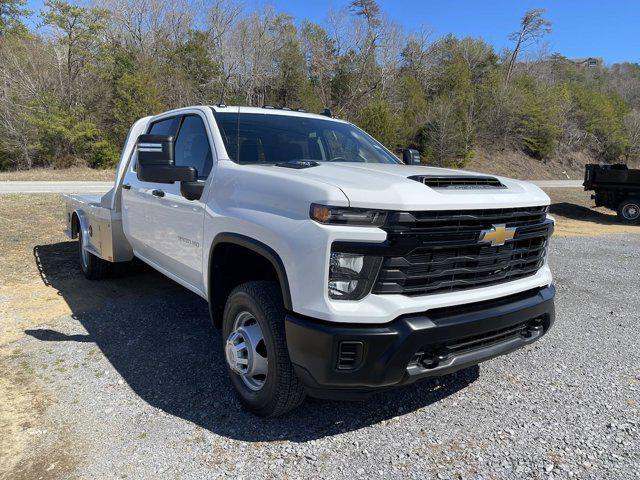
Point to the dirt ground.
(516, 164)
(67, 174)
(29, 448)
(38, 263)
(576, 216)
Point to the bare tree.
(321, 57)
(28, 74)
(532, 28)
(76, 30)
(221, 21)
(632, 125)
(368, 9)
(388, 55)
(148, 25)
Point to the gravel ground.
(141, 393)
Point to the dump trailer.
(616, 187)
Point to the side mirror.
(411, 157)
(191, 190)
(156, 162)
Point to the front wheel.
(94, 268)
(256, 352)
(629, 211)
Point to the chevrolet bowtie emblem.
(497, 235)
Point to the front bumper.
(352, 361)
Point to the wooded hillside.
(75, 78)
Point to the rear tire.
(254, 313)
(94, 268)
(629, 211)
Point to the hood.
(388, 186)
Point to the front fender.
(261, 249)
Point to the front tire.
(629, 211)
(256, 352)
(94, 268)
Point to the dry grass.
(576, 216)
(67, 174)
(37, 255)
(27, 221)
(515, 164)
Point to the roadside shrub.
(413, 111)
(378, 120)
(104, 154)
(601, 115)
(442, 140)
(539, 123)
(5, 159)
(66, 138)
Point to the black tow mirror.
(191, 190)
(411, 157)
(156, 162)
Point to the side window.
(192, 147)
(164, 127)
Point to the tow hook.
(533, 328)
(430, 361)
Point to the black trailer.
(616, 187)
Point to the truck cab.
(332, 268)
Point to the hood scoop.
(298, 164)
(458, 182)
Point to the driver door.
(176, 235)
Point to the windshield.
(254, 138)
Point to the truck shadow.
(159, 338)
(582, 213)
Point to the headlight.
(347, 216)
(351, 275)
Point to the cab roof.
(271, 110)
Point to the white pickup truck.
(331, 267)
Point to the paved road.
(54, 187)
(558, 183)
(101, 187)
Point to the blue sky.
(581, 28)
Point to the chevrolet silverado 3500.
(331, 267)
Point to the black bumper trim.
(394, 353)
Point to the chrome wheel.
(631, 211)
(246, 352)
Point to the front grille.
(454, 182)
(440, 252)
(486, 339)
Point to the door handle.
(157, 193)
(126, 186)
